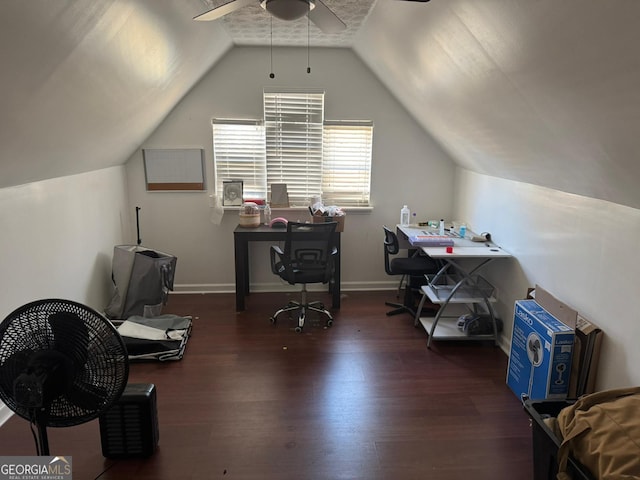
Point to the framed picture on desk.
(232, 193)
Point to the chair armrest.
(276, 255)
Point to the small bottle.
(442, 227)
(267, 214)
(463, 231)
(405, 215)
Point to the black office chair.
(414, 268)
(308, 257)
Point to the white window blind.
(296, 147)
(239, 154)
(346, 166)
(293, 134)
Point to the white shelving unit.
(447, 329)
(448, 291)
(457, 283)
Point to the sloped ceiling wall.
(545, 91)
(540, 91)
(84, 82)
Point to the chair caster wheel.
(272, 320)
(329, 323)
(298, 329)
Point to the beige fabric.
(552, 423)
(602, 431)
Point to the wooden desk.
(241, 238)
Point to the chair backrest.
(308, 251)
(391, 247)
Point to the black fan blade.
(222, 10)
(16, 363)
(10, 369)
(325, 19)
(87, 396)
(71, 336)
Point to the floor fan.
(61, 364)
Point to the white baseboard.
(505, 344)
(5, 413)
(281, 287)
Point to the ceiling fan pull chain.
(308, 40)
(271, 75)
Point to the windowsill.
(351, 210)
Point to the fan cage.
(90, 341)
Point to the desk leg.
(336, 276)
(241, 252)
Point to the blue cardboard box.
(540, 357)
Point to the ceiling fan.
(316, 10)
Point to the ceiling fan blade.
(222, 10)
(325, 19)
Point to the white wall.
(543, 92)
(80, 76)
(582, 250)
(408, 166)
(57, 239)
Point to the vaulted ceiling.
(539, 91)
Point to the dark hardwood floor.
(364, 399)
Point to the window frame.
(232, 144)
(355, 189)
(295, 136)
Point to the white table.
(456, 283)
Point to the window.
(346, 165)
(293, 124)
(238, 154)
(297, 147)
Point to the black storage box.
(130, 427)
(546, 443)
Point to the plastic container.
(249, 215)
(267, 214)
(546, 443)
(442, 227)
(405, 216)
(463, 231)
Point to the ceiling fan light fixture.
(288, 9)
